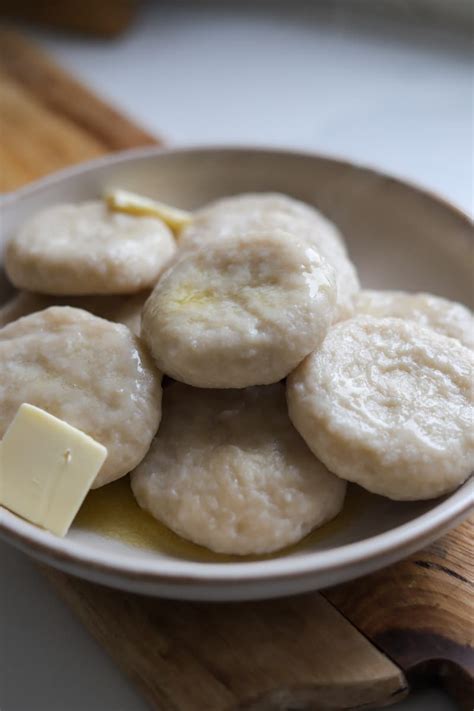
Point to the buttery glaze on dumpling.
(228, 470)
(388, 404)
(93, 374)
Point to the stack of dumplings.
(288, 380)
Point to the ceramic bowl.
(399, 237)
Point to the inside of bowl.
(398, 237)
(111, 521)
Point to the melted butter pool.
(112, 512)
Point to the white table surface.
(392, 96)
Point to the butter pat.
(47, 468)
(132, 204)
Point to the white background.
(396, 96)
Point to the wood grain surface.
(299, 653)
(295, 653)
(50, 120)
(421, 612)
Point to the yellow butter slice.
(46, 468)
(133, 204)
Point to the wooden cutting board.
(359, 644)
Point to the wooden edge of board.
(297, 652)
(420, 612)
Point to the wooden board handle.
(420, 612)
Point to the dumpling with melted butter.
(228, 471)
(388, 404)
(85, 248)
(93, 374)
(239, 312)
(249, 212)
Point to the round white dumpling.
(91, 373)
(266, 211)
(126, 309)
(447, 317)
(388, 404)
(88, 249)
(240, 312)
(228, 471)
